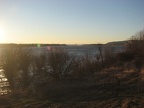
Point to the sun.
(2, 35)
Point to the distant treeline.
(116, 43)
(29, 45)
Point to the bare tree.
(9, 65)
(16, 63)
(59, 63)
(109, 55)
(100, 55)
(24, 66)
(135, 46)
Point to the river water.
(78, 50)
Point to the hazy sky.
(69, 21)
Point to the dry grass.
(105, 103)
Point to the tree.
(100, 52)
(60, 63)
(9, 65)
(24, 60)
(109, 55)
(135, 46)
(16, 64)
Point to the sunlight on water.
(4, 84)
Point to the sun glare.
(2, 36)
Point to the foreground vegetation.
(57, 79)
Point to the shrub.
(60, 63)
(16, 64)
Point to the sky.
(69, 21)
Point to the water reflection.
(4, 84)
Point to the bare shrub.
(100, 55)
(9, 65)
(109, 56)
(135, 46)
(24, 66)
(16, 65)
(60, 63)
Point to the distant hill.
(116, 43)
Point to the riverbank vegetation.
(58, 79)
